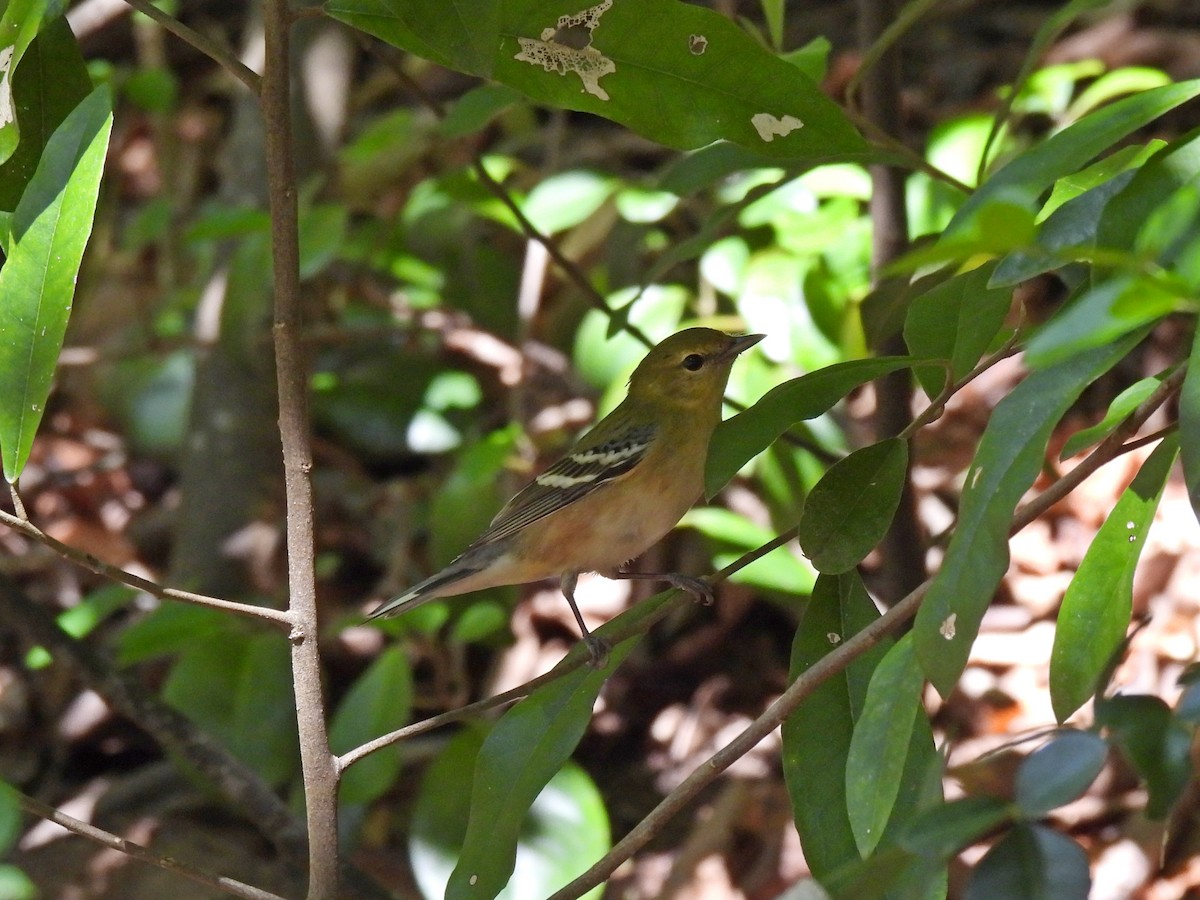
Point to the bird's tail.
(442, 584)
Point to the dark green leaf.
(742, 437)
(943, 830)
(476, 108)
(529, 744)
(1009, 457)
(566, 828)
(816, 737)
(1033, 863)
(1120, 408)
(18, 27)
(1070, 149)
(50, 228)
(171, 628)
(679, 74)
(10, 817)
(956, 320)
(378, 702)
(1189, 426)
(1059, 772)
(1074, 224)
(1096, 609)
(851, 507)
(1158, 746)
(879, 748)
(1173, 167)
(1109, 310)
(51, 81)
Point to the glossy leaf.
(1070, 149)
(1034, 863)
(566, 827)
(1096, 609)
(18, 27)
(1158, 746)
(956, 321)
(51, 81)
(816, 737)
(849, 510)
(50, 228)
(1009, 457)
(1122, 405)
(943, 830)
(879, 748)
(678, 74)
(378, 702)
(1059, 772)
(1108, 311)
(1189, 427)
(742, 437)
(530, 743)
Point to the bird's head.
(689, 368)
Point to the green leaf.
(1095, 611)
(1070, 149)
(1073, 225)
(1059, 772)
(529, 744)
(564, 200)
(239, 687)
(566, 826)
(79, 620)
(16, 885)
(1108, 311)
(1034, 863)
(1158, 746)
(51, 81)
(879, 748)
(10, 817)
(943, 830)
(1120, 408)
(816, 737)
(50, 228)
(1127, 159)
(742, 437)
(18, 27)
(955, 320)
(780, 570)
(1173, 167)
(1189, 427)
(378, 702)
(172, 628)
(851, 507)
(476, 108)
(1009, 457)
(678, 74)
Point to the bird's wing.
(588, 466)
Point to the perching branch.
(210, 48)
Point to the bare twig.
(316, 760)
(137, 851)
(277, 617)
(210, 48)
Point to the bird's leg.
(598, 647)
(700, 589)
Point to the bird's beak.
(740, 343)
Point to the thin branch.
(115, 573)
(210, 48)
(317, 762)
(137, 851)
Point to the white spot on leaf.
(833, 637)
(770, 127)
(567, 47)
(947, 629)
(7, 113)
(697, 44)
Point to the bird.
(614, 494)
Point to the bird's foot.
(598, 648)
(700, 589)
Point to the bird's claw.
(598, 648)
(700, 589)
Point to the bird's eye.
(693, 362)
